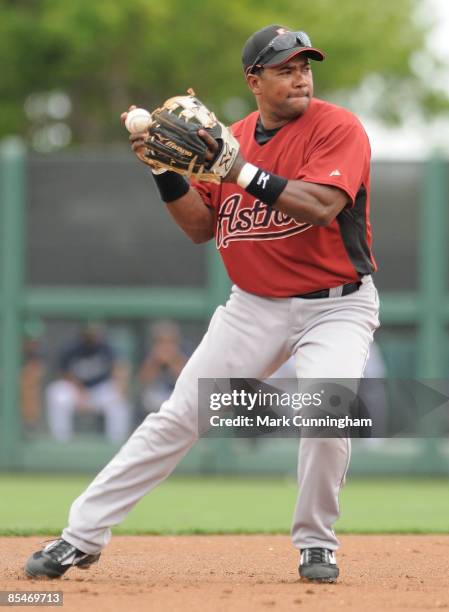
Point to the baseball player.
(291, 221)
(91, 377)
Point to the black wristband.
(266, 187)
(171, 185)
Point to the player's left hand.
(174, 142)
(211, 154)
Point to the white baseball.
(138, 120)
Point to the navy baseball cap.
(274, 45)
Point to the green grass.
(39, 504)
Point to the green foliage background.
(107, 55)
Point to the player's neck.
(272, 121)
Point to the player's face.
(283, 92)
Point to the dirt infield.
(224, 573)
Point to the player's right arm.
(193, 216)
(189, 211)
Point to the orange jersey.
(268, 253)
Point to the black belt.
(335, 292)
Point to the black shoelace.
(317, 555)
(59, 551)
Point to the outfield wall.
(84, 234)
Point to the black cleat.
(56, 558)
(318, 565)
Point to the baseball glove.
(174, 143)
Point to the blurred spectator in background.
(31, 376)
(161, 368)
(92, 380)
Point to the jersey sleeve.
(339, 157)
(209, 192)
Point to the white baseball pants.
(248, 338)
(104, 398)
